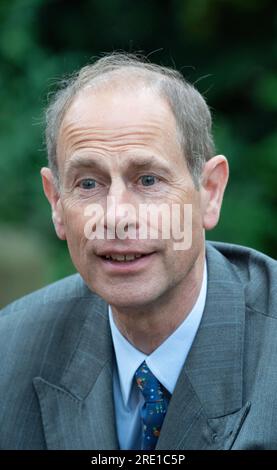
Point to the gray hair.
(192, 115)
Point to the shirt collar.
(167, 360)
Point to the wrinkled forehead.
(112, 121)
(116, 104)
(111, 113)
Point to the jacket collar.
(206, 406)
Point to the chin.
(126, 302)
(125, 299)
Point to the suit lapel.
(206, 406)
(78, 412)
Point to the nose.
(121, 219)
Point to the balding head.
(192, 115)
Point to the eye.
(88, 183)
(148, 180)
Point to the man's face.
(123, 144)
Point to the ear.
(53, 196)
(214, 180)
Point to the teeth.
(130, 257)
(118, 257)
(122, 257)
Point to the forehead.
(114, 108)
(115, 121)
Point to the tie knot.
(148, 384)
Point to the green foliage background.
(227, 47)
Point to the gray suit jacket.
(57, 361)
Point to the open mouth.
(124, 258)
(126, 263)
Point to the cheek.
(74, 223)
(186, 215)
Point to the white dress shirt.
(165, 362)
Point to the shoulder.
(65, 289)
(44, 309)
(45, 305)
(49, 319)
(256, 271)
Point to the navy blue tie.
(154, 408)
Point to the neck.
(147, 327)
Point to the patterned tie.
(154, 408)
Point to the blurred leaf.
(266, 92)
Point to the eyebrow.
(78, 162)
(148, 162)
(94, 162)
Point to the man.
(156, 343)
